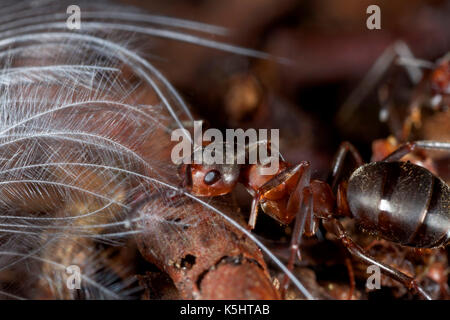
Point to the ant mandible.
(398, 201)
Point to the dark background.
(329, 50)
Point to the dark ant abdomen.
(401, 202)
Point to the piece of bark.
(206, 258)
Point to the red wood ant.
(398, 201)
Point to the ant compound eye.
(212, 177)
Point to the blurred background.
(328, 50)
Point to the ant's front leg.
(300, 204)
(273, 183)
(305, 222)
(334, 226)
(409, 147)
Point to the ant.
(433, 92)
(431, 82)
(398, 201)
(427, 111)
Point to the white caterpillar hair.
(84, 122)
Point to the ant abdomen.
(401, 202)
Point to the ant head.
(210, 180)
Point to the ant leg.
(408, 147)
(301, 203)
(351, 277)
(304, 214)
(339, 160)
(334, 226)
(269, 185)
